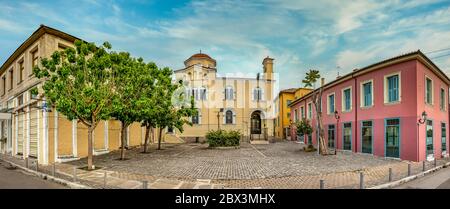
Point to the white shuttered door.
(20, 135)
(33, 132)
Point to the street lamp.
(218, 118)
(336, 115)
(421, 120)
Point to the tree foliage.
(167, 113)
(310, 80)
(77, 83)
(304, 127)
(134, 82)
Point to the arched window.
(229, 117)
(196, 118)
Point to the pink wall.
(433, 111)
(407, 110)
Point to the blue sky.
(300, 35)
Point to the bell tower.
(268, 68)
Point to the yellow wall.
(114, 134)
(283, 109)
(64, 136)
(283, 119)
(99, 136)
(300, 92)
(135, 134)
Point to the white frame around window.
(362, 93)
(385, 87)
(445, 99)
(295, 115)
(309, 104)
(227, 95)
(343, 100)
(302, 112)
(432, 90)
(328, 103)
(259, 94)
(199, 111)
(233, 117)
(202, 96)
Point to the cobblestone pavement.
(277, 165)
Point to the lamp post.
(336, 115)
(218, 118)
(421, 120)
(291, 128)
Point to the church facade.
(228, 102)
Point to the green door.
(392, 138)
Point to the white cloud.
(9, 26)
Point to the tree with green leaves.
(148, 105)
(133, 83)
(303, 127)
(310, 81)
(168, 113)
(77, 83)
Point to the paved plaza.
(195, 166)
(277, 165)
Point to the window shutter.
(262, 95)
(225, 117)
(234, 118)
(254, 95)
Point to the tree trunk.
(90, 149)
(323, 148)
(124, 141)
(159, 138)
(147, 130)
(152, 131)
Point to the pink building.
(381, 110)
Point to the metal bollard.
(144, 184)
(37, 166)
(361, 180)
(74, 174)
(435, 162)
(390, 174)
(26, 162)
(54, 169)
(409, 169)
(322, 184)
(423, 165)
(104, 180)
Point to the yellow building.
(27, 129)
(228, 102)
(283, 111)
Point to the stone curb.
(409, 178)
(49, 177)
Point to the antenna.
(338, 68)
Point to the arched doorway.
(255, 127)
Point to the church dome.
(200, 57)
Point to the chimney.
(322, 82)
